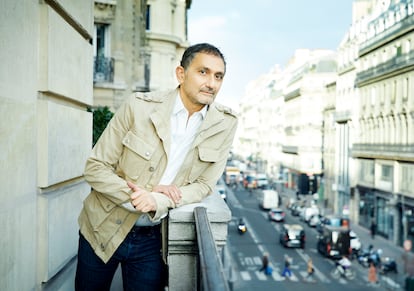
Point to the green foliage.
(101, 116)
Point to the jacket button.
(151, 169)
(102, 246)
(118, 221)
(147, 154)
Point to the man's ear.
(179, 72)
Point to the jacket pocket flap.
(138, 145)
(209, 155)
(106, 204)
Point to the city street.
(262, 236)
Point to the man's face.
(202, 80)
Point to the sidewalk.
(389, 250)
(390, 281)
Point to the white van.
(270, 199)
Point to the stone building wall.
(45, 137)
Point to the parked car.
(307, 212)
(296, 209)
(334, 242)
(314, 220)
(276, 214)
(356, 244)
(292, 235)
(332, 220)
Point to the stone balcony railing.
(185, 271)
(183, 253)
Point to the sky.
(254, 36)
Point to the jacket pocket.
(136, 155)
(97, 208)
(103, 214)
(204, 159)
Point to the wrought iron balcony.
(103, 70)
(403, 62)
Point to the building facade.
(384, 150)
(138, 45)
(305, 97)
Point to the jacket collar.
(212, 123)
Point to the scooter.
(367, 256)
(388, 265)
(242, 228)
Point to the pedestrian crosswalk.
(250, 271)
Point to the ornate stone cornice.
(104, 10)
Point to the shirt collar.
(179, 106)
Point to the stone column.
(182, 253)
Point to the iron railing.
(103, 70)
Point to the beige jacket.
(134, 147)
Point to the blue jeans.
(140, 258)
(286, 271)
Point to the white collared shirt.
(183, 132)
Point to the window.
(407, 46)
(101, 40)
(399, 50)
(405, 88)
(103, 64)
(148, 18)
(386, 173)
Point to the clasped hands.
(143, 201)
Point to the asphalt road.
(246, 253)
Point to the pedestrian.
(265, 262)
(161, 150)
(286, 269)
(372, 274)
(373, 228)
(310, 269)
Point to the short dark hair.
(206, 48)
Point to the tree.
(101, 116)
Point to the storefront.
(374, 205)
(406, 212)
(366, 207)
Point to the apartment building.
(384, 148)
(305, 97)
(346, 113)
(137, 46)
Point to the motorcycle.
(388, 265)
(384, 265)
(368, 256)
(242, 228)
